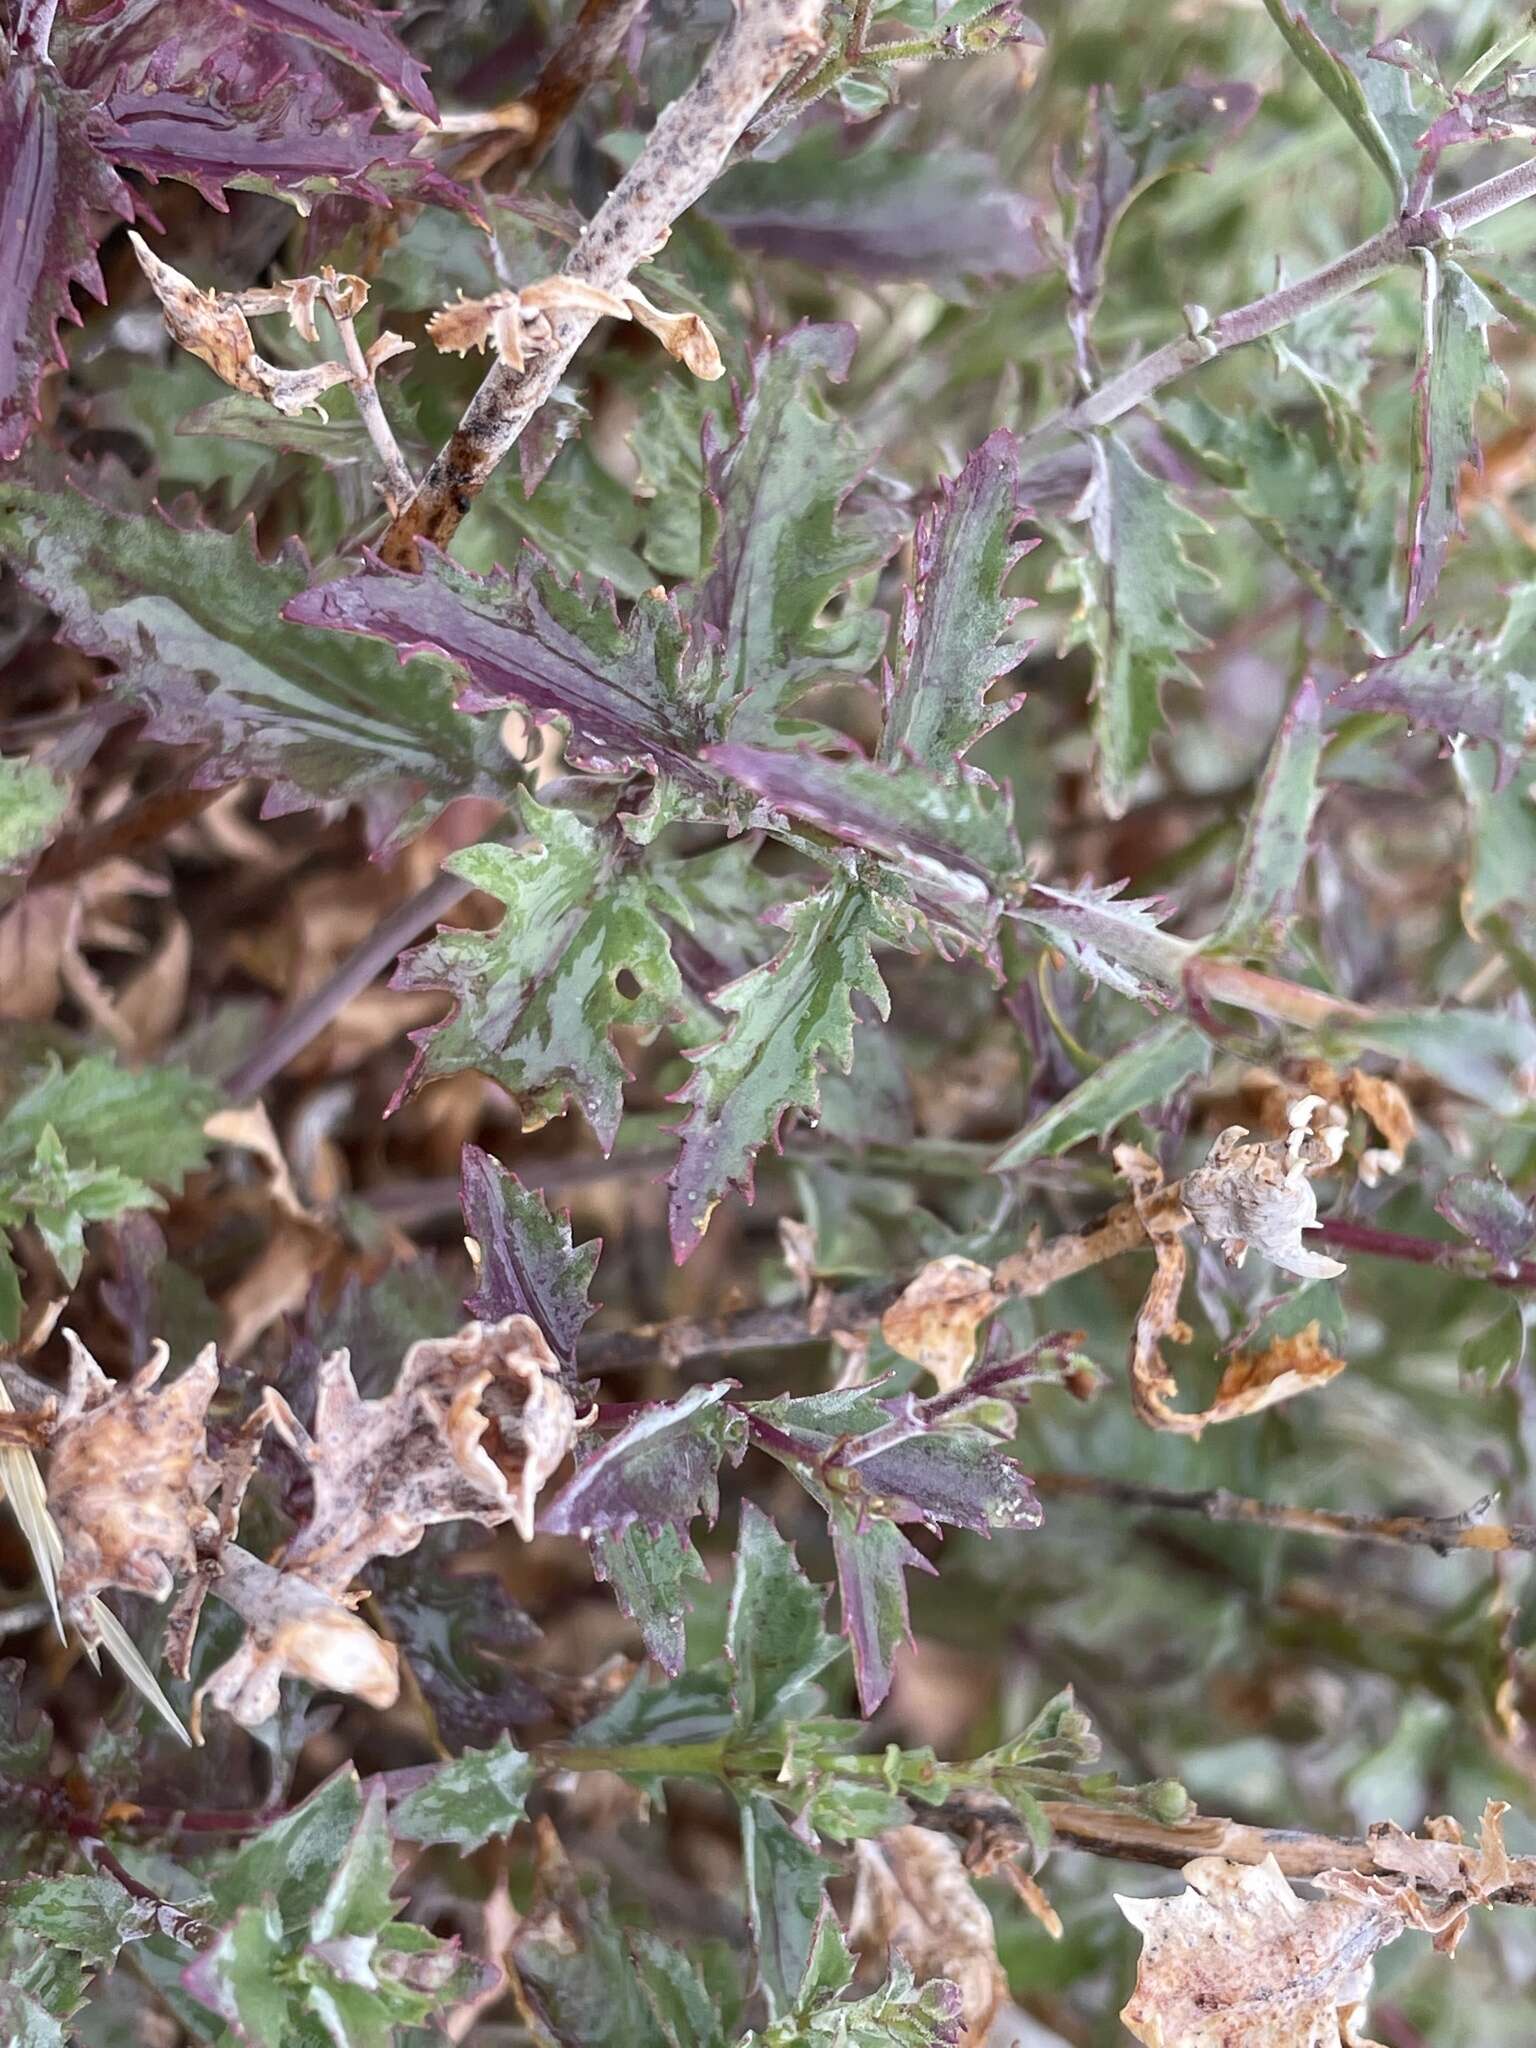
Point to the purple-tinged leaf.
(648, 1569)
(873, 1559)
(954, 615)
(1484, 1208)
(527, 1264)
(1468, 684)
(952, 843)
(193, 620)
(1122, 156)
(878, 212)
(1456, 369)
(632, 694)
(581, 953)
(241, 118)
(353, 30)
(786, 545)
(662, 1468)
(55, 191)
(789, 1019)
(1112, 938)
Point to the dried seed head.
(1260, 1194)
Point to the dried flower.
(1260, 1194)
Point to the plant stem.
(1442, 1534)
(300, 1025)
(171, 1919)
(684, 154)
(1359, 266)
(398, 481)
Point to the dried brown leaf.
(1153, 1385)
(935, 1318)
(1257, 1380)
(1238, 1961)
(683, 335)
(211, 326)
(1434, 1882)
(1388, 1108)
(129, 1478)
(913, 1897)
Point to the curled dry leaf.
(129, 1478)
(211, 326)
(1380, 1101)
(913, 1897)
(683, 335)
(518, 324)
(935, 1318)
(1238, 1961)
(293, 1629)
(1261, 1195)
(1263, 1379)
(1458, 1877)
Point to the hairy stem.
(684, 154)
(1442, 1534)
(1359, 266)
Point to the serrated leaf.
(1371, 96)
(31, 805)
(954, 615)
(790, 1017)
(1133, 620)
(292, 1861)
(237, 1977)
(952, 844)
(873, 1559)
(537, 999)
(648, 1569)
(94, 1916)
(1488, 1359)
(774, 1635)
(786, 1889)
(1112, 938)
(1275, 844)
(636, 693)
(357, 1900)
(193, 621)
(55, 191)
(478, 1795)
(1330, 520)
(785, 543)
(1150, 1069)
(661, 1467)
(1456, 370)
(574, 1968)
(527, 1264)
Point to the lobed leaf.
(526, 1263)
(479, 1795)
(774, 1636)
(193, 621)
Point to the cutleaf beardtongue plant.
(780, 822)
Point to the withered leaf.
(1260, 1194)
(211, 326)
(1414, 1867)
(1153, 1386)
(935, 1318)
(913, 1897)
(1238, 1961)
(1263, 1379)
(682, 335)
(129, 1479)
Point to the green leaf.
(1333, 522)
(293, 1860)
(1372, 97)
(648, 1569)
(786, 1889)
(1112, 938)
(1150, 1069)
(576, 1971)
(61, 1200)
(1131, 588)
(238, 1977)
(357, 1900)
(683, 2004)
(94, 1916)
(774, 1637)
(192, 620)
(784, 545)
(26, 2024)
(1488, 1359)
(789, 1018)
(537, 999)
(955, 614)
(480, 1794)
(1275, 845)
(31, 805)
(1456, 369)
(1487, 1055)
